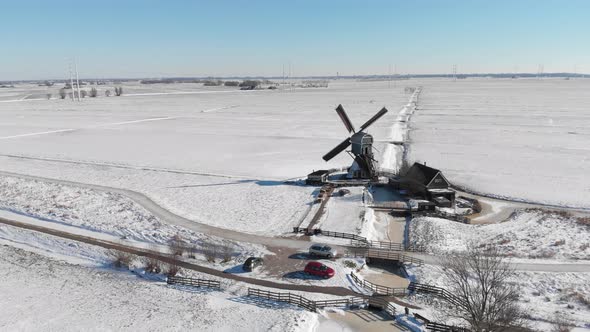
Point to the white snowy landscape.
(226, 163)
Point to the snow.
(527, 234)
(216, 158)
(118, 217)
(543, 295)
(344, 213)
(526, 139)
(44, 294)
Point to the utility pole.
(71, 78)
(540, 71)
(290, 78)
(389, 74)
(77, 80)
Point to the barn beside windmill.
(427, 183)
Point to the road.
(273, 242)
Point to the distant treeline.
(209, 82)
(267, 78)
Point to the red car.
(319, 269)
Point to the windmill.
(363, 166)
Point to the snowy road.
(175, 219)
(518, 266)
(283, 243)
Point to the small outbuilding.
(317, 177)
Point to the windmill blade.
(344, 118)
(374, 118)
(339, 148)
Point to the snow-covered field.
(216, 157)
(527, 234)
(41, 293)
(527, 139)
(107, 213)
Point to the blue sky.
(321, 37)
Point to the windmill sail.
(344, 118)
(339, 148)
(374, 118)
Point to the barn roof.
(421, 174)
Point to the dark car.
(251, 263)
(319, 269)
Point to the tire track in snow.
(113, 124)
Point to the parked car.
(322, 250)
(251, 263)
(319, 269)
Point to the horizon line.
(386, 76)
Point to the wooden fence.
(383, 304)
(436, 291)
(317, 231)
(384, 254)
(438, 327)
(193, 282)
(378, 289)
(301, 301)
(384, 245)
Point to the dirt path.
(338, 291)
(174, 219)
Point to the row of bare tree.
(177, 248)
(93, 93)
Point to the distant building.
(426, 183)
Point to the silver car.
(322, 250)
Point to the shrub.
(227, 252)
(177, 245)
(231, 83)
(350, 264)
(107, 93)
(93, 93)
(210, 251)
(62, 93)
(121, 259)
(172, 269)
(250, 83)
(212, 83)
(118, 91)
(152, 265)
(583, 221)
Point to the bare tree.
(227, 252)
(62, 93)
(48, 96)
(210, 251)
(93, 93)
(171, 269)
(118, 91)
(83, 93)
(107, 93)
(121, 259)
(479, 278)
(177, 245)
(152, 265)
